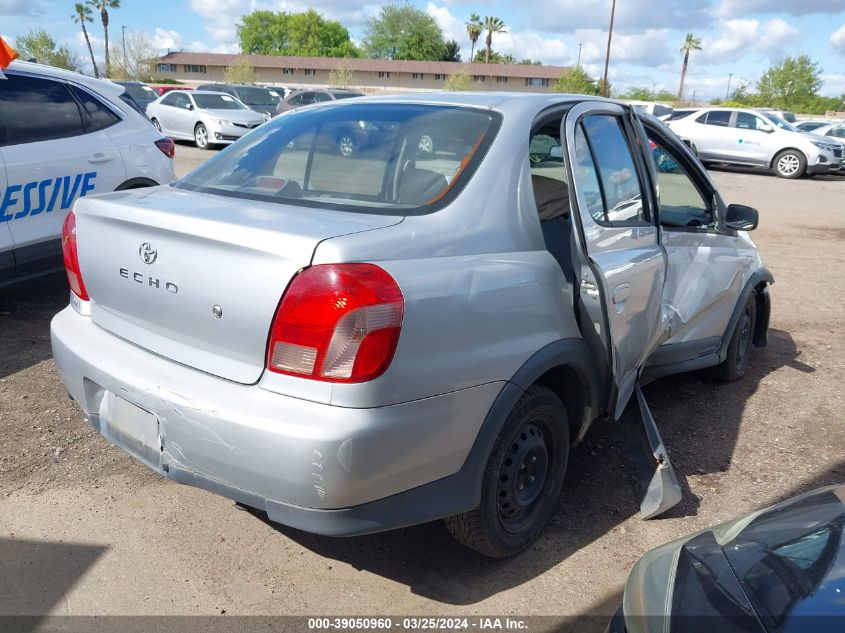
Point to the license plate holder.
(134, 428)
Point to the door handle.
(621, 293)
(99, 157)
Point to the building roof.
(367, 65)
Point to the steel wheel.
(201, 136)
(426, 144)
(522, 478)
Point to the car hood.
(239, 116)
(263, 109)
(825, 139)
(765, 571)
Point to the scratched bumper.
(288, 456)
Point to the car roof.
(486, 99)
(102, 86)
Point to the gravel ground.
(86, 530)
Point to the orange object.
(7, 54)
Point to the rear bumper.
(321, 468)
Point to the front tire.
(522, 479)
(201, 137)
(735, 364)
(790, 164)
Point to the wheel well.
(567, 383)
(198, 123)
(136, 183)
(786, 149)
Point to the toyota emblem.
(147, 253)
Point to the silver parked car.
(355, 344)
(752, 138)
(205, 117)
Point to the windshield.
(258, 96)
(780, 122)
(373, 158)
(140, 92)
(217, 102)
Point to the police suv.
(63, 136)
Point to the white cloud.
(739, 37)
(742, 8)
(837, 40)
(833, 84)
(777, 37)
(567, 16)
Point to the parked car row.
(757, 138)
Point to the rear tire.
(522, 479)
(735, 364)
(346, 143)
(790, 164)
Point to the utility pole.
(578, 65)
(728, 91)
(125, 64)
(604, 85)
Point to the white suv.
(62, 136)
(741, 136)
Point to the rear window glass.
(258, 96)
(218, 102)
(680, 114)
(375, 158)
(36, 109)
(140, 92)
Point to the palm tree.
(691, 43)
(474, 30)
(103, 7)
(492, 25)
(81, 16)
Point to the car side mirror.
(556, 151)
(190, 106)
(741, 217)
(768, 129)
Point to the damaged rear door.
(622, 263)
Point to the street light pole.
(604, 86)
(728, 91)
(123, 34)
(578, 65)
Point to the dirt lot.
(84, 529)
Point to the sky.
(739, 37)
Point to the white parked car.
(752, 138)
(208, 118)
(63, 136)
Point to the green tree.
(495, 57)
(451, 52)
(491, 24)
(663, 95)
(460, 81)
(529, 62)
(403, 32)
(241, 72)
(577, 81)
(305, 34)
(342, 76)
(474, 30)
(691, 43)
(81, 15)
(103, 7)
(791, 85)
(38, 45)
(638, 93)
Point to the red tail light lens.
(167, 146)
(338, 323)
(71, 257)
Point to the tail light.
(337, 323)
(71, 257)
(167, 146)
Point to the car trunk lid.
(197, 277)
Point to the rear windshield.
(258, 96)
(218, 102)
(347, 95)
(140, 92)
(374, 158)
(680, 114)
